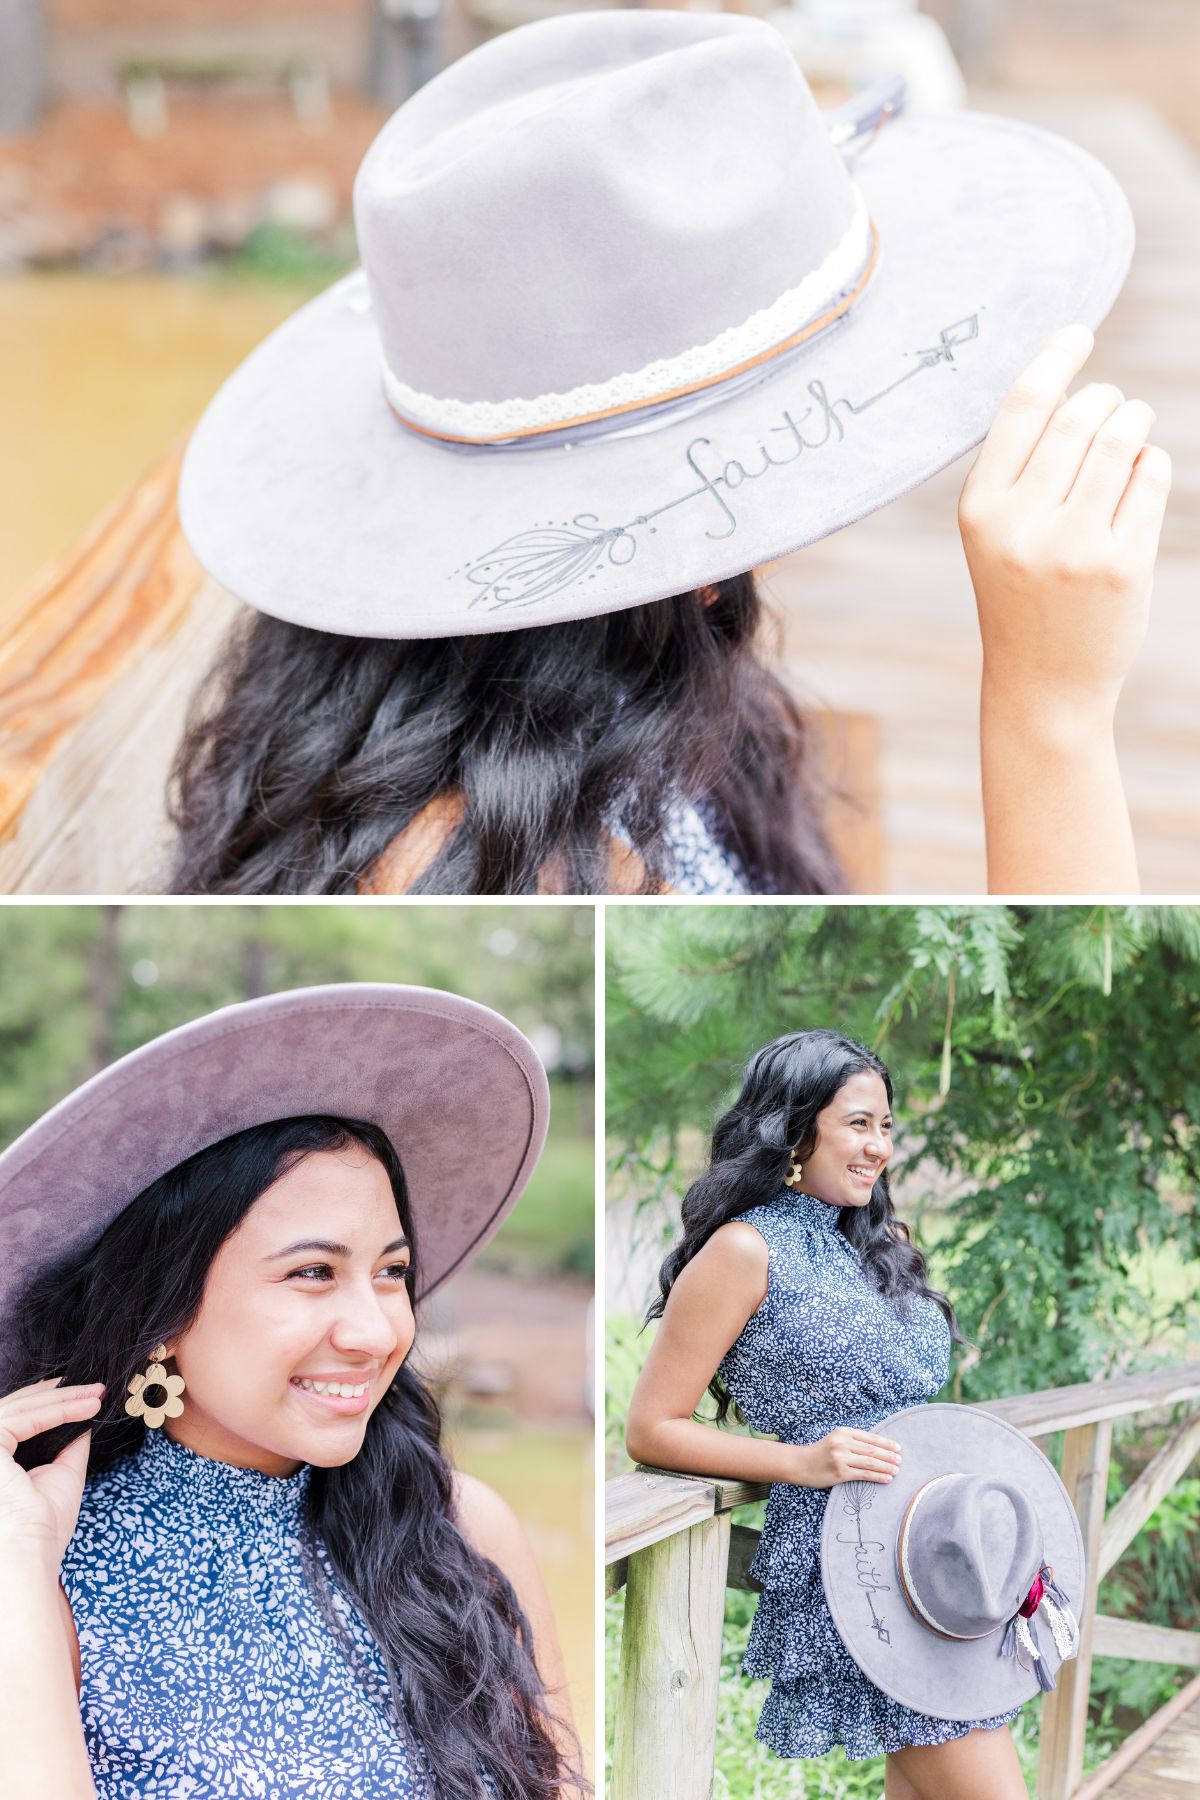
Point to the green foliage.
(1046, 1074)
(81, 985)
(283, 254)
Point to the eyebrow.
(852, 1112)
(331, 1249)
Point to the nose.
(365, 1326)
(877, 1146)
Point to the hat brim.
(460, 1092)
(930, 1674)
(304, 495)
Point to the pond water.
(100, 375)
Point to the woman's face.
(854, 1143)
(309, 1290)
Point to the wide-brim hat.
(926, 1575)
(629, 322)
(461, 1093)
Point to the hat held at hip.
(957, 1587)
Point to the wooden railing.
(670, 1543)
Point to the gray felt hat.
(634, 316)
(461, 1093)
(956, 1586)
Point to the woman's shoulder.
(492, 1528)
(415, 849)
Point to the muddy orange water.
(98, 376)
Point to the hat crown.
(970, 1547)
(582, 198)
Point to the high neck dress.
(824, 1349)
(208, 1668)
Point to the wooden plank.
(1064, 1715)
(1183, 1709)
(1138, 1502)
(643, 1508)
(1145, 1643)
(95, 671)
(666, 1733)
(1060, 1409)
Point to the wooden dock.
(885, 609)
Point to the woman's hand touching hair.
(1060, 519)
(39, 1507)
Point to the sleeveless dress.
(824, 1349)
(207, 1666)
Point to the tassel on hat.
(1021, 1630)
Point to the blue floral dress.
(824, 1349)
(208, 1668)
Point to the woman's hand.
(1060, 519)
(846, 1455)
(39, 1507)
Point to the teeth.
(341, 1390)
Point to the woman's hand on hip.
(39, 1507)
(846, 1455)
(1060, 519)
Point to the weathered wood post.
(1064, 1718)
(670, 1666)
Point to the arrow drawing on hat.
(543, 561)
(856, 1498)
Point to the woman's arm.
(492, 1527)
(1060, 519)
(717, 1292)
(42, 1751)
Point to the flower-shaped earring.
(795, 1173)
(169, 1407)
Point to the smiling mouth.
(862, 1174)
(335, 1396)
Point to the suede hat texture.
(634, 316)
(925, 1574)
(461, 1093)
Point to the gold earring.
(169, 1407)
(794, 1174)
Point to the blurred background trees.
(1047, 1093)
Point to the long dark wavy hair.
(307, 754)
(445, 1617)
(785, 1086)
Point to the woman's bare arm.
(1060, 519)
(42, 1750)
(710, 1304)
